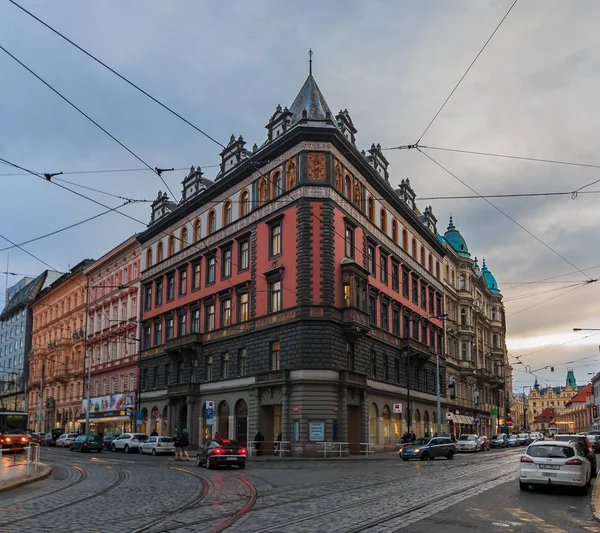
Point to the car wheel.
(81, 449)
(71, 448)
(209, 465)
(242, 466)
(126, 449)
(113, 448)
(523, 486)
(153, 451)
(198, 462)
(405, 458)
(424, 456)
(582, 491)
(450, 455)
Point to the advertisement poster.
(316, 431)
(112, 402)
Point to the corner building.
(296, 291)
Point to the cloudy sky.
(225, 66)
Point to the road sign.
(210, 413)
(397, 408)
(494, 411)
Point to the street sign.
(397, 408)
(449, 416)
(494, 411)
(210, 412)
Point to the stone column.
(343, 414)
(231, 427)
(169, 418)
(190, 416)
(379, 430)
(285, 413)
(364, 417)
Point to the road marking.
(524, 516)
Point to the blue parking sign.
(210, 413)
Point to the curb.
(596, 500)
(46, 471)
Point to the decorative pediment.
(271, 396)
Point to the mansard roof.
(311, 99)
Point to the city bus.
(13, 429)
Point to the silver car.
(157, 445)
(127, 442)
(468, 443)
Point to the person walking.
(413, 437)
(178, 449)
(258, 438)
(154, 433)
(185, 442)
(277, 446)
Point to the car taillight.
(218, 451)
(226, 441)
(7, 439)
(574, 462)
(158, 445)
(588, 443)
(243, 451)
(85, 443)
(525, 459)
(24, 439)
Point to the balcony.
(186, 341)
(355, 322)
(183, 389)
(275, 376)
(467, 368)
(61, 375)
(353, 377)
(497, 351)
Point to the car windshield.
(523, 435)
(421, 442)
(140, 436)
(551, 452)
(466, 437)
(165, 439)
(499, 436)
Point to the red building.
(296, 291)
(113, 337)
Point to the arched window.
(197, 230)
(148, 257)
(159, 252)
(430, 264)
(423, 255)
(405, 240)
(227, 212)
(383, 220)
(262, 190)
(414, 248)
(244, 203)
(277, 187)
(348, 187)
(371, 209)
(183, 236)
(212, 222)
(171, 247)
(395, 231)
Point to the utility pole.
(41, 398)
(89, 361)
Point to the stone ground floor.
(304, 407)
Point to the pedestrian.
(258, 438)
(217, 436)
(413, 437)
(405, 438)
(185, 442)
(178, 450)
(277, 446)
(154, 433)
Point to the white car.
(468, 443)
(65, 439)
(127, 442)
(555, 463)
(157, 445)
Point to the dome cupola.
(490, 280)
(455, 239)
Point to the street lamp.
(586, 329)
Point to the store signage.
(110, 403)
(316, 431)
(210, 413)
(397, 408)
(295, 409)
(449, 416)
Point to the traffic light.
(128, 411)
(595, 411)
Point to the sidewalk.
(13, 472)
(331, 456)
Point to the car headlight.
(417, 450)
(400, 450)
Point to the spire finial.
(310, 53)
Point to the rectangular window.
(397, 370)
(373, 368)
(195, 276)
(194, 371)
(131, 387)
(432, 339)
(349, 242)
(423, 296)
(423, 333)
(242, 362)
(195, 320)
(159, 293)
(169, 330)
(275, 240)
(211, 266)
(226, 262)
(439, 346)
(181, 324)
(275, 356)
(438, 305)
(183, 281)
(147, 337)
(225, 365)
(170, 287)
(383, 266)
(244, 255)
(210, 317)
(431, 305)
(385, 325)
(208, 371)
(112, 384)
(350, 356)
(157, 333)
(243, 307)
(226, 312)
(396, 321)
(275, 302)
(148, 297)
(415, 289)
(372, 311)
(386, 368)
(155, 377)
(371, 259)
(415, 330)
(395, 276)
(144, 379)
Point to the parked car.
(86, 443)
(468, 443)
(585, 445)
(36, 438)
(536, 435)
(513, 441)
(555, 463)
(500, 441)
(48, 440)
(65, 439)
(523, 439)
(219, 452)
(157, 445)
(595, 441)
(127, 442)
(428, 448)
(107, 439)
(486, 444)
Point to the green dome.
(490, 280)
(455, 239)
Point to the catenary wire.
(466, 71)
(118, 74)
(107, 171)
(555, 346)
(516, 195)
(540, 293)
(129, 200)
(545, 301)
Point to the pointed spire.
(483, 265)
(310, 53)
(451, 226)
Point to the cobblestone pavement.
(139, 494)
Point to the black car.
(428, 448)
(585, 445)
(218, 452)
(107, 439)
(86, 443)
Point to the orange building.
(56, 361)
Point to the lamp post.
(524, 408)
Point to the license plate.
(550, 467)
(549, 474)
(232, 458)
